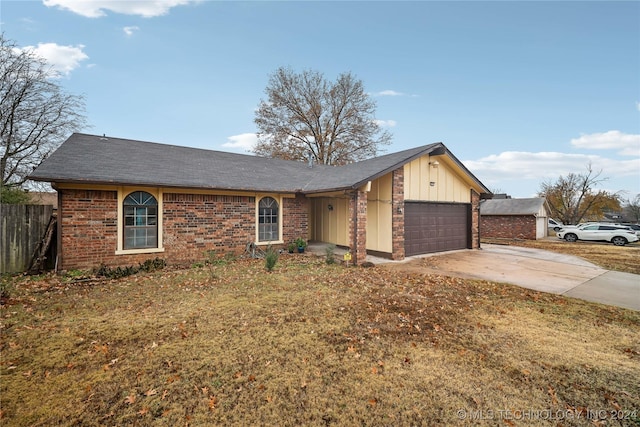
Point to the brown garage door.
(436, 227)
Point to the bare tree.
(632, 209)
(304, 113)
(35, 113)
(573, 198)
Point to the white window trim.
(278, 198)
(124, 192)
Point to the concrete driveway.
(534, 269)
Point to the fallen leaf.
(552, 393)
(373, 402)
(212, 402)
(151, 392)
(143, 411)
(130, 399)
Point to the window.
(140, 212)
(268, 224)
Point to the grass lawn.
(310, 344)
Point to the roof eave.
(56, 181)
(434, 149)
(484, 190)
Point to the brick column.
(475, 220)
(358, 226)
(397, 214)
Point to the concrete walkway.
(535, 269)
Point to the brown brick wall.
(192, 225)
(397, 216)
(196, 223)
(89, 230)
(509, 226)
(296, 223)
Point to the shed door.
(436, 227)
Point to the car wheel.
(570, 237)
(619, 241)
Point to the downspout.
(59, 254)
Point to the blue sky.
(520, 92)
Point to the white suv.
(619, 235)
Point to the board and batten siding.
(379, 215)
(331, 226)
(447, 187)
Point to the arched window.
(268, 224)
(140, 221)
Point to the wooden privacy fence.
(22, 228)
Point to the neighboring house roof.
(96, 159)
(530, 206)
(44, 198)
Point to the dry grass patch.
(308, 344)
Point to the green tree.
(36, 115)
(13, 195)
(304, 113)
(573, 198)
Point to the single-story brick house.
(514, 218)
(123, 201)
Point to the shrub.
(5, 291)
(270, 258)
(301, 243)
(118, 272)
(330, 254)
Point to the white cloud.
(98, 8)
(518, 169)
(386, 123)
(128, 31)
(63, 59)
(624, 144)
(389, 92)
(244, 141)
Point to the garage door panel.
(435, 227)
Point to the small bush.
(153, 265)
(330, 254)
(270, 258)
(118, 272)
(5, 291)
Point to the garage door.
(436, 227)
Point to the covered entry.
(436, 227)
